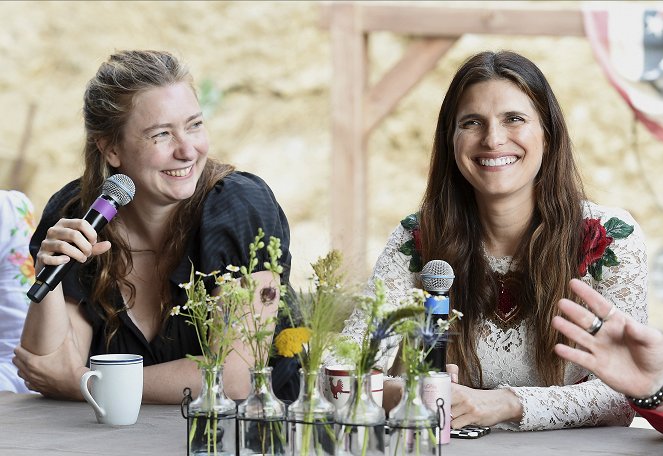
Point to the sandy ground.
(270, 63)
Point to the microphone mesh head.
(120, 187)
(437, 276)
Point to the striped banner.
(627, 41)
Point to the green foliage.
(381, 326)
(321, 309)
(231, 311)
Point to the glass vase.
(360, 422)
(311, 420)
(261, 418)
(411, 423)
(211, 418)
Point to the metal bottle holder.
(184, 409)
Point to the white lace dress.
(506, 355)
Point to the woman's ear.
(109, 152)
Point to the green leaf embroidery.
(609, 258)
(617, 229)
(415, 264)
(596, 270)
(410, 222)
(408, 248)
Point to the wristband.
(648, 403)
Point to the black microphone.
(437, 276)
(118, 190)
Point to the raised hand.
(623, 353)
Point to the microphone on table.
(118, 190)
(437, 276)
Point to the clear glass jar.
(211, 418)
(360, 422)
(261, 418)
(411, 423)
(311, 420)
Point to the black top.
(232, 213)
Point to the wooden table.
(32, 425)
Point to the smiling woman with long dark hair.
(505, 207)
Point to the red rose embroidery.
(594, 243)
(416, 235)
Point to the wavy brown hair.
(108, 102)
(548, 255)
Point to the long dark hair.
(108, 102)
(548, 256)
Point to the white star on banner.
(654, 25)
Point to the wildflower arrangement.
(223, 315)
(316, 316)
(381, 327)
(254, 328)
(211, 315)
(411, 420)
(420, 335)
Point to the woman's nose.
(184, 148)
(494, 136)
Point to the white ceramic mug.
(437, 397)
(337, 385)
(116, 390)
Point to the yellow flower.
(290, 341)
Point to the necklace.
(507, 305)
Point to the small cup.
(337, 385)
(437, 397)
(116, 390)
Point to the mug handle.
(86, 393)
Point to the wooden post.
(349, 158)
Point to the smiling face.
(164, 146)
(498, 140)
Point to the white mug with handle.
(116, 387)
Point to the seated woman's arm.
(54, 348)
(57, 374)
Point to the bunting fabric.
(627, 41)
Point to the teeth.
(497, 161)
(178, 172)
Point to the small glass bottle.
(211, 418)
(360, 422)
(261, 418)
(311, 420)
(411, 423)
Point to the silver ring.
(611, 313)
(596, 325)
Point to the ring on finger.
(596, 325)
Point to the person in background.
(16, 276)
(625, 354)
(505, 207)
(143, 119)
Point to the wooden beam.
(419, 58)
(349, 155)
(445, 21)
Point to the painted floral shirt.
(16, 276)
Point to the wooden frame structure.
(356, 108)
